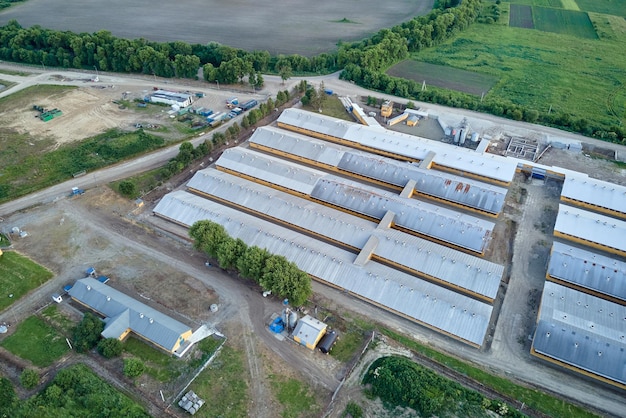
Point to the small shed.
(309, 331)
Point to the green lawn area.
(224, 386)
(18, 276)
(58, 320)
(569, 22)
(444, 76)
(347, 345)
(540, 69)
(609, 7)
(36, 341)
(332, 107)
(296, 398)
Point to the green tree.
(110, 347)
(251, 264)
(128, 188)
(185, 153)
(229, 252)
(208, 236)
(8, 398)
(284, 71)
(133, 367)
(29, 379)
(87, 333)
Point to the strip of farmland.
(521, 16)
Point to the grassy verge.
(4, 242)
(159, 365)
(347, 345)
(223, 386)
(332, 107)
(54, 317)
(295, 397)
(532, 397)
(6, 84)
(18, 276)
(36, 341)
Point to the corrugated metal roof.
(595, 192)
(270, 169)
(124, 312)
(582, 330)
(463, 317)
(308, 330)
(468, 272)
(457, 189)
(590, 226)
(589, 270)
(464, 159)
(442, 224)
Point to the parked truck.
(76, 192)
(248, 105)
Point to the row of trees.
(272, 272)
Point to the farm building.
(441, 187)
(582, 333)
(466, 162)
(443, 310)
(464, 273)
(588, 272)
(171, 98)
(591, 229)
(596, 195)
(445, 226)
(309, 331)
(124, 315)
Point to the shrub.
(29, 379)
(133, 367)
(87, 333)
(110, 347)
(128, 188)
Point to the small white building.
(171, 98)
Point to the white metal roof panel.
(444, 310)
(424, 218)
(271, 169)
(595, 192)
(457, 189)
(590, 226)
(584, 268)
(414, 147)
(461, 270)
(582, 330)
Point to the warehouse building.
(461, 317)
(171, 98)
(446, 188)
(124, 315)
(591, 229)
(460, 231)
(461, 272)
(596, 195)
(461, 161)
(582, 333)
(588, 272)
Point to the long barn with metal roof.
(589, 272)
(443, 225)
(486, 167)
(462, 272)
(435, 307)
(447, 188)
(583, 333)
(597, 195)
(591, 229)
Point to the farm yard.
(304, 27)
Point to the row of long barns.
(581, 324)
(393, 223)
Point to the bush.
(87, 333)
(353, 410)
(128, 188)
(29, 379)
(133, 367)
(110, 347)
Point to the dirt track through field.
(279, 26)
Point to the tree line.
(363, 62)
(273, 272)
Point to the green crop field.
(546, 3)
(568, 22)
(521, 16)
(36, 341)
(18, 276)
(444, 76)
(537, 69)
(609, 7)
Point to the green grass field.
(541, 69)
(36, 341)
(569, 22)
(18, 276)
(296, 398)
(545, 3)
(609, 7)
(444, 76)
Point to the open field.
(37, 342)
(546, 3)
(541, 69)
(304, 27)
(569, 22)
(521, 16)
(18, 276)
(444, 76)
(609, 7)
